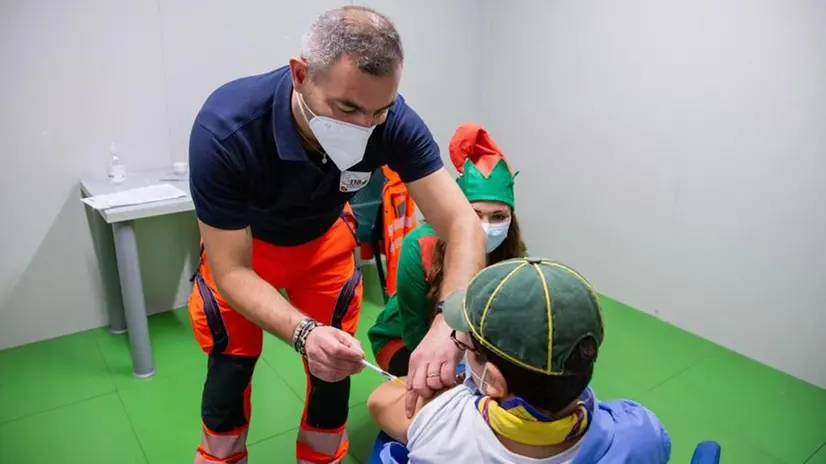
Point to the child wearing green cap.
(531, 330)
(487, 181)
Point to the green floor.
(73, 399)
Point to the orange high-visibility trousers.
(320, 279)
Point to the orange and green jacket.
(406, 315)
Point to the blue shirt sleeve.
(412, 151)
(216, 182)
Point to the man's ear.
(299, 72)
(495, 385)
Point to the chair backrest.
(388, 451)
(707, 452)
(394, 453)
(366, 205)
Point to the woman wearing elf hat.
(486, 179)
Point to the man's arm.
(218, 186)
(448, 211)
(230, 260)
(218, 181)
(433, 363)
(414, 154)
(331, 353)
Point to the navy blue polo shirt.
(249, 168)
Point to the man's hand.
(432, 365)
(333, 354)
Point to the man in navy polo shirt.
(274, 159)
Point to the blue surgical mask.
(496, 233)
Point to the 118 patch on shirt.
(352, 181)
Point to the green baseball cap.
(530, 311)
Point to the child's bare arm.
(386, 406)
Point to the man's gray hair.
(368, 38)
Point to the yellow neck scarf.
(517, 420)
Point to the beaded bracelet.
(302, 331)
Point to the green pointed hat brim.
(498, 186)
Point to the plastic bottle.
(117, 171)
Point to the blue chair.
(388, 451)
(707, 452)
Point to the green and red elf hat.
(484, 172)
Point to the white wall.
(75, 76)
(78, 75)
(675, 152)
(679, 147)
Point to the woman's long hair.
(512, 247)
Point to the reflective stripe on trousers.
(222, 449)
(322, 446)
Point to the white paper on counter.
(136, 196)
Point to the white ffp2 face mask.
(470, 381)
(496, 234)
(343, 142)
